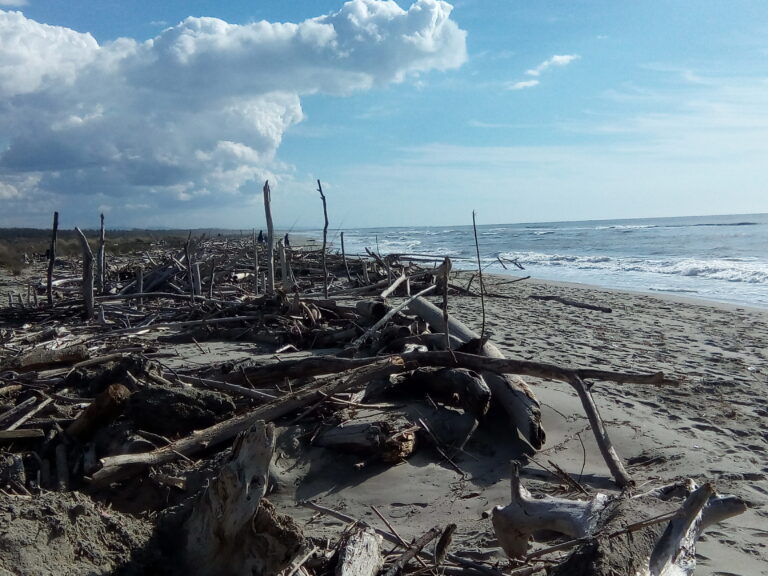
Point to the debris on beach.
(154, 409)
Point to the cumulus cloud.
(556, 60)
(200, 110)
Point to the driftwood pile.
(87, 406)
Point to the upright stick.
(344, 257)
(100, 261)
(255, 263)
(269, 289)
(325, 236)
(480, 274)
(87, 275)
(52, 258)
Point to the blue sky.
(172, 114)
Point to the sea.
(719, 258)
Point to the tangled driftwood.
(73, 395)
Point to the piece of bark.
(232, 529)
(360, 554)
(356, 438)
(105, 407)
(511, 393)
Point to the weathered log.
(104, 409)
(454, 385)
(602, 525)
(232, 530)
(515, 523)
(360, 553)
(569, 302)
(46, 357)
(318, 365)
(508, 392)
(87, 275)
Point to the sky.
(173, 114)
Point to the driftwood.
(269, 289)
(87, 275)
(105, 407)
(360, 553)
(569, 302)
(52, 259)
(232, 530)
(601, 528)
(508, 392)
(116, 467)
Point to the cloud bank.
(194, 115)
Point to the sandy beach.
(711, 426)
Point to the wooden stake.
(100, 261)
(52, 258)
(87, 275)
(269, 289)
(325, 238)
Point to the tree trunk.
(232, 530)
(52, 259)
(269, 289)
(88, 299)
(509, 392)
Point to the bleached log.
(360, 554)
(232, 530)
(87, 275)
(515, 523)
(507, 391)
(621, 535)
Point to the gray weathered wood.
(509, 392)
(87, 275)
(231, 529)
(360, 554)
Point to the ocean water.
(721, 258)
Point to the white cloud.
(556, 60)
(13, 3)
(199, 111)
(522, 85)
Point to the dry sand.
(712, 426)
